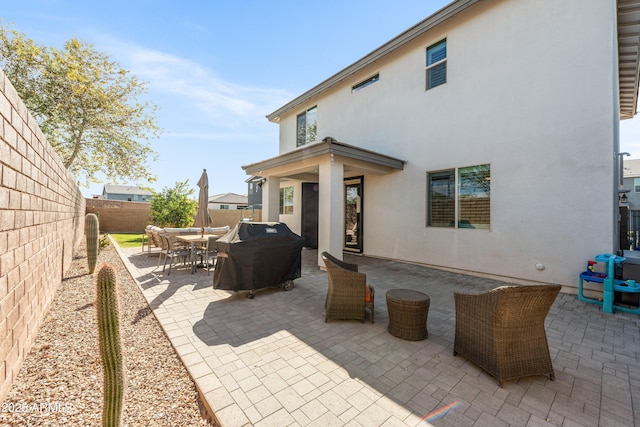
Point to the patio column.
(271, 199)
(331, 208)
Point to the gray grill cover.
(255, 255)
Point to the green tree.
(86, 105)
(173, 207)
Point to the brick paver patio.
(273, 361)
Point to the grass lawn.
(133, 240)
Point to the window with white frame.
(636, 185)
(306, 127)
(286, 201)
(436, 64)
(460, 198)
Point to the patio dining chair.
(209, 253)
(502, 331)
(172, 252)
(162, 244)
(152, 240)
(348, 295)
(146, 241)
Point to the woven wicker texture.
(502, 331)
(347, 291)
(408, 312)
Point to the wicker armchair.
(347, 293)
(502, 331)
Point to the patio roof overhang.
(302, 163)
(628, 56)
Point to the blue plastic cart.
(609, 285)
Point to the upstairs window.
(306, 127)
(636, 185)
(437, 64)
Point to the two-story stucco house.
(483, 140)
(227, 201)
(126, 192)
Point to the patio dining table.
(195, 240)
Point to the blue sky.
(216, 68)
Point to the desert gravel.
(60, 382)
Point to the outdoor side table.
(408, 311)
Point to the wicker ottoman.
(408, 311)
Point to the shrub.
(173, 207)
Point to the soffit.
(628, 55)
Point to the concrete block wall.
(41, 223)
(117, 216)
(222, 217)
(120, 216)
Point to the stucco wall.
(41, 223)
(524, 94)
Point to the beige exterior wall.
(294, 220)
(41, 223)
(532, 91)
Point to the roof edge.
(407, 36)
(327, 146)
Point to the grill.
(256, 255)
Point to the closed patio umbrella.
(203, 219)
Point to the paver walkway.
(273, 361)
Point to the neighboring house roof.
(125, 189)
(632, 168)
(628, 55)
(228, 199)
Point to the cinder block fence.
(119, 216)
(41, 223)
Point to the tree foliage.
(86, 105)
(173, 207)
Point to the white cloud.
(190, 83)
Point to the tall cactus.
(91, 230)
(108, 313)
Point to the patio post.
(331, 208)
